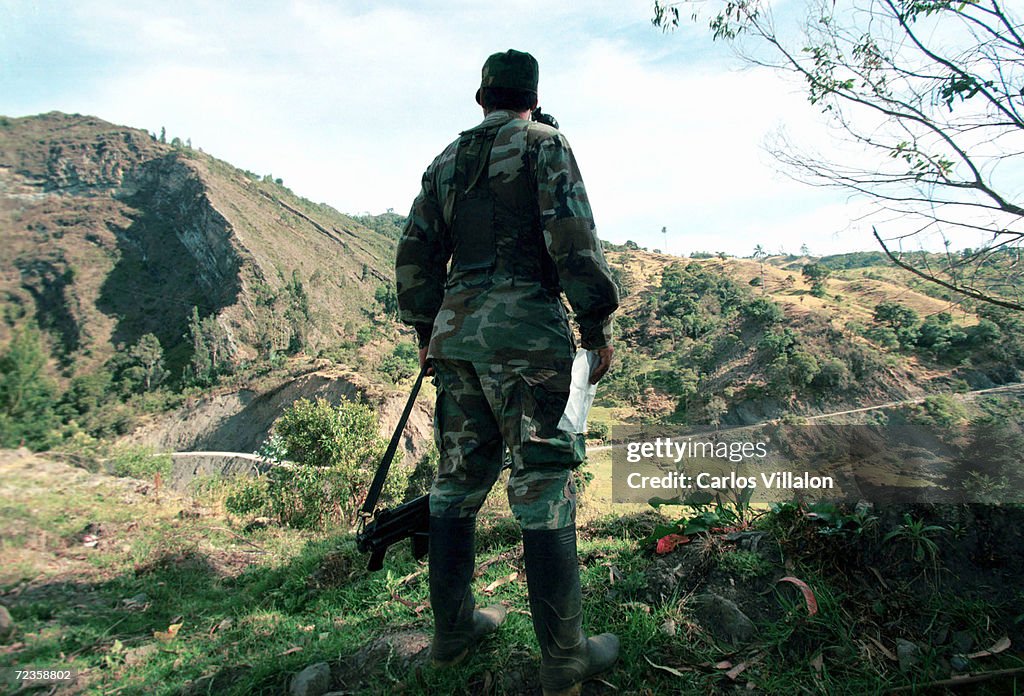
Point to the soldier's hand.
(423, 360)
(604, 361)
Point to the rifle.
(378, 530)
(541, 117)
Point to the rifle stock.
(409, 520)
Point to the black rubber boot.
(568, 657)
(457, 623)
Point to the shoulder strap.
(471, 163)
(385, 463)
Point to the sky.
(348, 102)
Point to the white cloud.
(348, 102)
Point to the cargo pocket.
(541, 396)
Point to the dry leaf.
(812, 603)
(885, 651)
(168, 635)
(1000, 645)
(724, 664)
(489, 590)
(818, 662)
(736, 671)
(289, 651)
(670, 541)
(670, 670)
(410, 577)
(404, 602)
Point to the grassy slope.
(256, 606)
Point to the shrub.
(139, 462)
(598, 431)
(403, 362)
(803, 368)
(834, 376)
(762, 310)
(883, 336)
(365, 335)
(943, 410)
(422, 476)
(332, 453)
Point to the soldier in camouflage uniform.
(505, 204)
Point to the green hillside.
(735, 341)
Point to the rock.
(139, 655)
(959, 663)
(908, 654)
(722, 618)
(314, 680)
(6, 623)
(404, 652)
(747, 540)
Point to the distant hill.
(109, 234)
(723, 340)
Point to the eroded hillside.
(110, 235)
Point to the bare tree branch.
(933, 90)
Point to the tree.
(211, 350)
(941, 337)
(387, 298)
(904, 322)
(929, 91)
(762, 311)
(26, 393)
(297, 313)
(760, 254)
(146, 366)
(816, 274)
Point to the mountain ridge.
(113, 235)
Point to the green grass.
(256, 607)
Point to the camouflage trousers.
(484, 408)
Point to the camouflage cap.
(510, 70)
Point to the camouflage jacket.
(501, 314)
